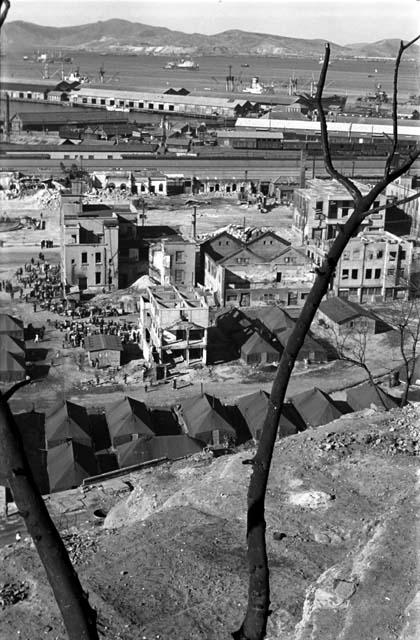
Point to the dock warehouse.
(203, 106)
(54, 120)
(347, 129)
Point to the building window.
(368, 274)
(171, 107)
(391, 272)
(179, 256)
(403, 255)
(332, 209)
(130, 103)
(346, 255)
(160, 188)
(377, 273)
(103, 101)
(84, 257)
(93, 100)
(354, 274)
(97, 277)
(161, 107)
(278, 276)
(345, 274)
(319, 206)
(179, 275)
(151, 105)
(379, 254)
(98, 257)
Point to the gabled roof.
(340, 310)
(246, 252)
(204, 414)
(366, 395)
(266, 234)
(253, 408)
(11, 344)
(12, 366)
(309, 343)
(257, 344)
(9, 323)
(101, 341)
(68, 464)
(315, 407)
(126, 418)
(67, 421)
(275, 319)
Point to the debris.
(13, 592)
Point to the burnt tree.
(255, 621)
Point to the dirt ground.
(170, 563)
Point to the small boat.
(245, 65)
(184, 63)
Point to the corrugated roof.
(102, 341)
(141, 96)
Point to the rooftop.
(101, 342)
(339, 310)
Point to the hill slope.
(123, 36)
(342, 541)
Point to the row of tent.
(12, 349)
(73, 442)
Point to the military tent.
(12, 345)
(142, 450)
(12, 367)
(366, 395)
(276, 320)
(68, 464)
(128, 418)
(311, 350)
(253, 409)
(256, 350)
(415, 368)
(315, 407)
(206, 419)
(12, 326)
(66, 422)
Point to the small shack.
(256, 350)
(343, 316)
(104, 350)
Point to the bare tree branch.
(346, 182)
(391, 156)
(4, 10)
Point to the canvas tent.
(311, 350)
(256, 350)
(415, 368)
(275, 320)
(68, 464)
(366, 395)
(171, 447)
(66, 422)
(12, 367)
(126, 419)
(315, 407)
(253, 409)
(12, 345)
(12, 326)
(206, 419)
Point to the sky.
(341, 21)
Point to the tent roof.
(315, 407)
(203, 414)
(274, 318)
(11, 344)
(11, 362)
(257, 344)
(10, 323)
(128, 417)
(253, 408)
(68, 464)
(309, 344)
(68, 421)
(363, 396)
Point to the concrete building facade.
(172, 260)
(173, 324)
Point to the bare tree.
(255, 622)
(351, 346)
(404, 316)
(78, 617)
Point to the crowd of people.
(74, 332)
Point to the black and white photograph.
(209, 319)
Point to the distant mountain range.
(122, 36)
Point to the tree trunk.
(79, 618)
(254, 625)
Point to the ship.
(184, 63)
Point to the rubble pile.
(245, 234)
(13, 592)
(400, 433)
(80, 545)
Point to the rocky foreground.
(169, 561)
